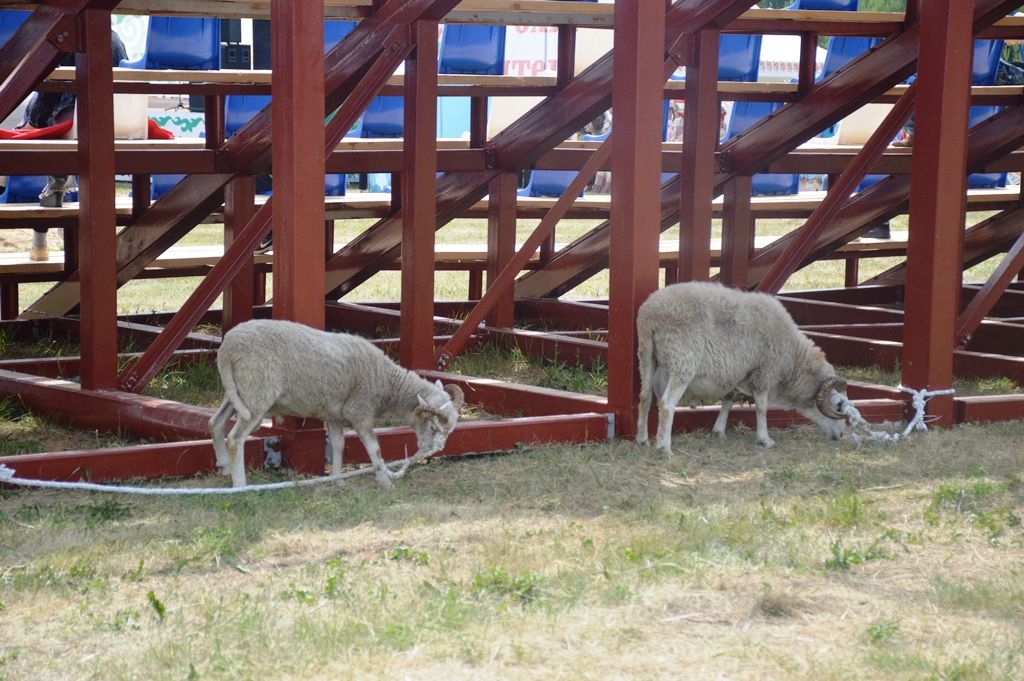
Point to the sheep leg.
(369, 440)
(217, 424)
(646, 390)
(236, 447)
(675, 388)
(761, 405)
(336, 436)
(723, 416)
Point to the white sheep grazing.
(704, 341)
(284, 368)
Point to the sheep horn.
(827, 386)
(455, 392)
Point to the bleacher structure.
(920, 315)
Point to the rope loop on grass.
(8, 477)
(857, 421)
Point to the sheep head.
(833, 383)
(435, 415)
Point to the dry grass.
(815, 560)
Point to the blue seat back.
(844, 49)
(984, 180)
(335, 31)
(744, 115)
(985, 61)
(10, 20)
(835, 5)
(161, 184)
(23, 189)
(739, 57)
(384, 118)
(472, 49)
(548, 183)
(180, 43)
(239, 109)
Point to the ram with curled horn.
(702, 342)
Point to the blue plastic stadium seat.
(27, 188)
(180, 43)
(985, 61)
(472, 49)
(842, 50)
(161, 184)
(548, 183)
(384, 118)
(466, 49)
(239, 109)
(836, 5)
(335, 31)
(739, 57)
(744, 115)
(10, 20)
(984, 180)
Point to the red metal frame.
(938, 184)
(858, 326)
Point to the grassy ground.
(816, 560)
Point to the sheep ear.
(438, 385)
(455, 392)
(423, 402)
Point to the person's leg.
(38, 251)
(53, 194)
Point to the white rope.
(7, 476)
(919, 400)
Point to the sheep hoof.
(641, 438)
(385, 483)
(718, 433)
(767, 443)
(223, 470)
(667, 448)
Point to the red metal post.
(937, 199)
(566, 55)
(97, 219)
(297, 87)
(141, 195)
(737, 231)
(501, 243)
(419, 208)
(700, 138)
(808, 62)
(239, 296)
(8, 301)
(637, 85)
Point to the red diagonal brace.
(985, 299)
(839, 194)
(506, 278)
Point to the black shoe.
(878, 232)
(265, 245)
